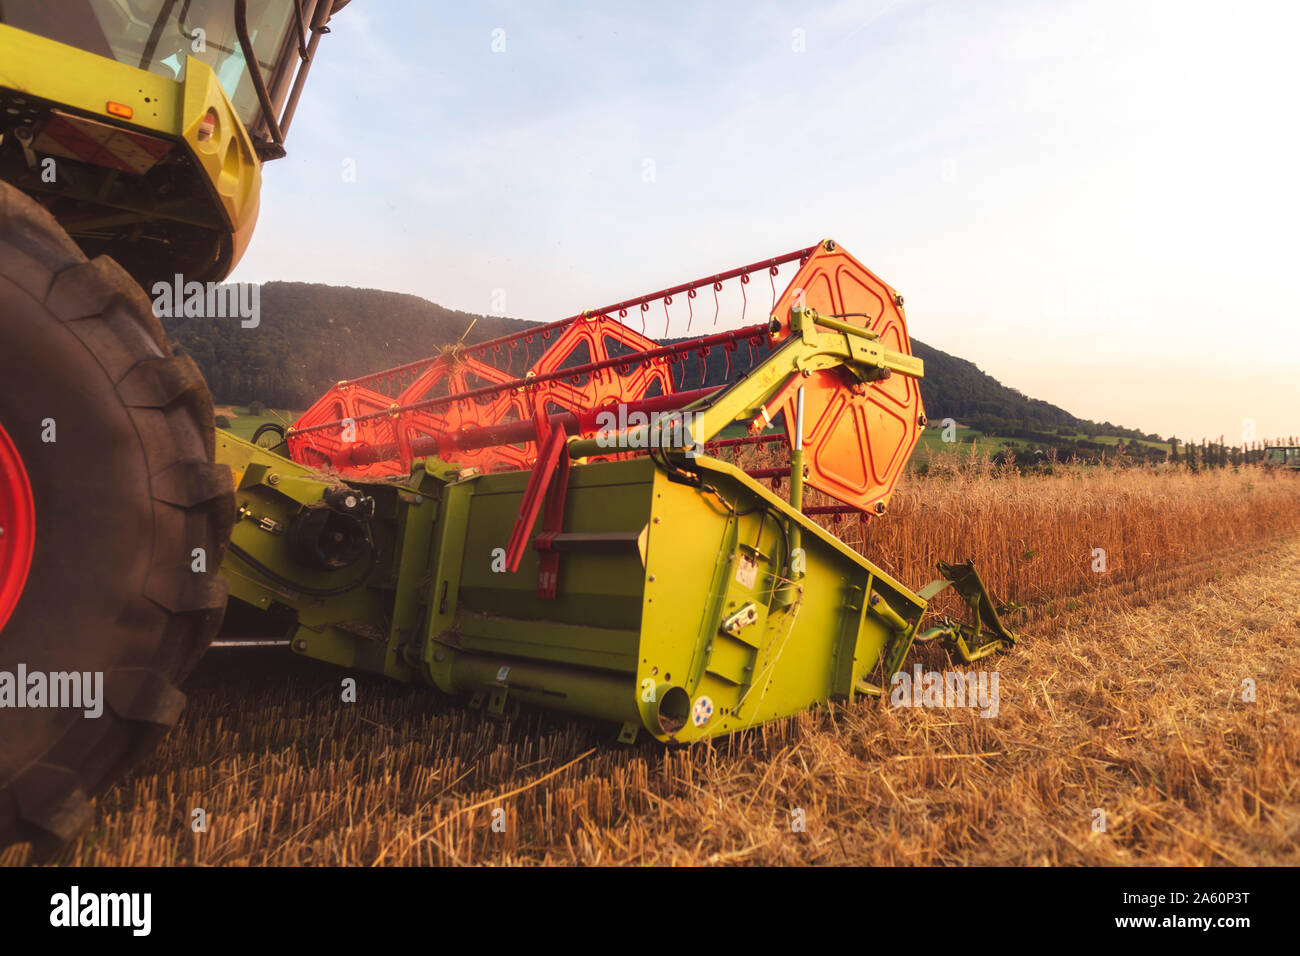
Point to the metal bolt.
(273, 478)
(656, 519)
(300, 644)
(651, 579)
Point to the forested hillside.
(311, 335)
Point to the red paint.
(17, 526)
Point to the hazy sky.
(1097, 203)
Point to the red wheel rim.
(17, 526)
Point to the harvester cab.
(141, 125)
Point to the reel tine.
(439, 404)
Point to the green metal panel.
(636, 634)
(651, 623)
(1283, 456)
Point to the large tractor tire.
(109, 489)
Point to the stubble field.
(1125, 732)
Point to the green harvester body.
(689, 600)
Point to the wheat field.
(1122, 704)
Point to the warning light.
(207, 126)
(119, 109)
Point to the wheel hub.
(17, 526)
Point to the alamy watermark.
(946, 689)
(637, 429)
(75, 908)
(82, 690)
(208, 300)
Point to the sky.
(1096, 203)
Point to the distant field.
(243, 424)
(971, 441)
(932, 440)
(1113, 439)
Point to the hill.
(955, 388)
(311, 335)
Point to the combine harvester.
(541, 518)
(561, 536)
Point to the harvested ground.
(1126, 706)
